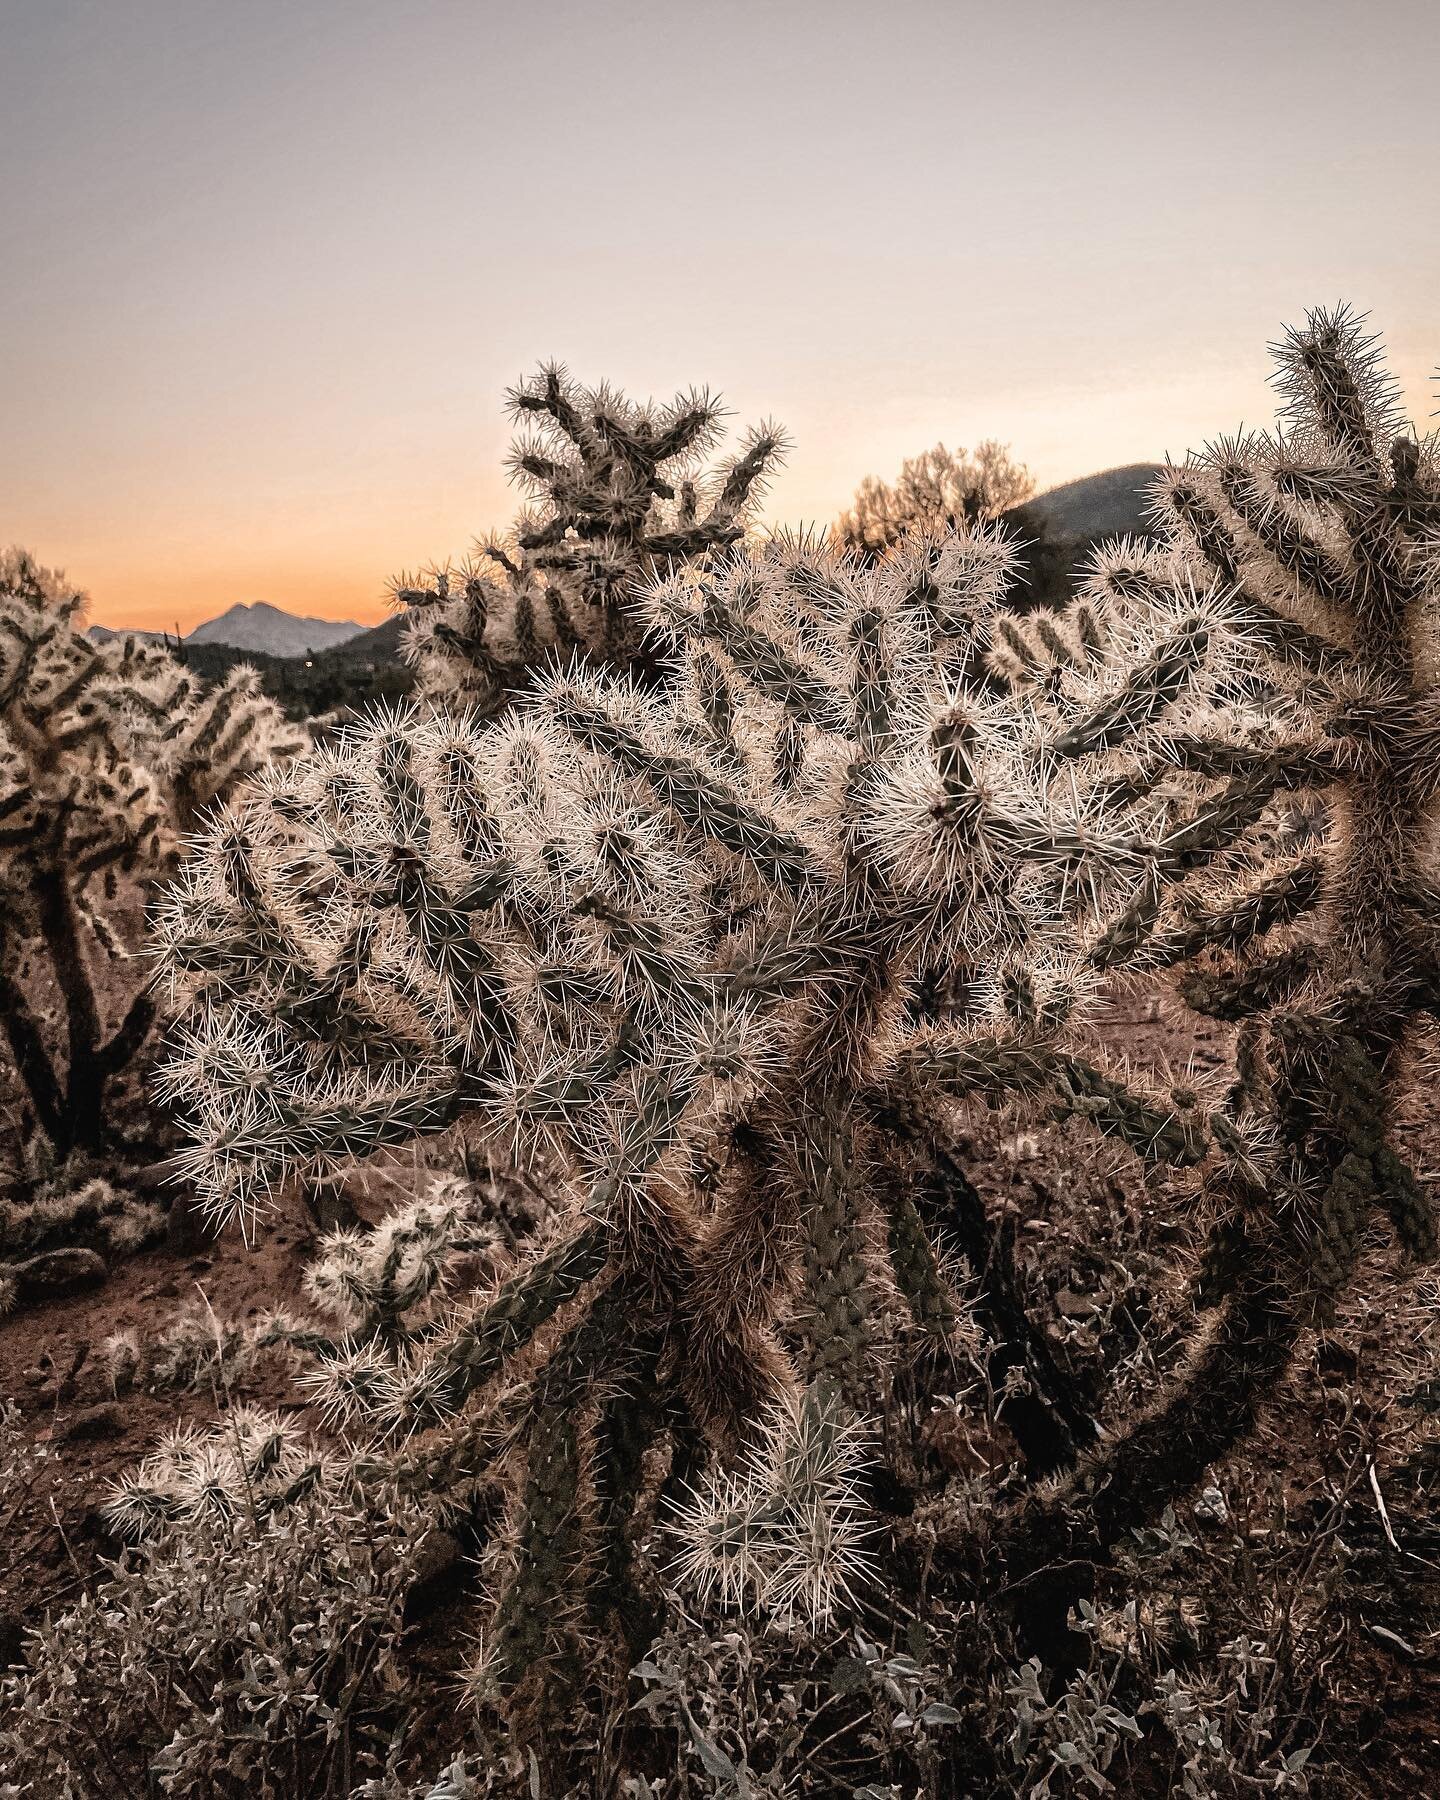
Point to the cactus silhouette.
(108, 752)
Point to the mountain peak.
(271, 631)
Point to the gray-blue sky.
(270, 266)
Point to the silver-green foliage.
(251, 1651)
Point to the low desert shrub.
(245, 1647)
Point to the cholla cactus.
(1324, 537)
(252, 1463)
(694, 940)
(617, 492)
(675, 939)
(788, 1533)
(94, 1211)
(377, 1295)
(107, 753)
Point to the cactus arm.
(702, 802)
(916, 1268)
(1290, 643)
(1052, 1422)
(32, 1059)
(60, 929)
(1296, 554)
(543, 1606)
(1224, 923)
(519, 1307)
(1180, 498)
(766, 447)
(765, 664)
(1253, 986)
(836, 1284)
(1149, 690)
(1147, 1462)
(946, 1067)
(1221, 819)
(1292, 765)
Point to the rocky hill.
(1105, 505)
(273, 632)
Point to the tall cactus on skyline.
(734, 951)
(616, 492)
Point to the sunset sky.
(269, 267)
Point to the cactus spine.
(683, 936)
(108, 752)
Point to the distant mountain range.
(1095, 506)
(260, 629)
(273, 632)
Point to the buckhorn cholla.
(692, 941)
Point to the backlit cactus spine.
(676, 937)
(108, 752)
(1324, 538)
(617, 492)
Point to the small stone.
(187, 1230)
(54, 1273)
(1212, 1508)
(67, 1384)
(94, 1422)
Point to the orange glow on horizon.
(158, 584)
(254, 349)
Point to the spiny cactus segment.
(1318, 943)
(617, 490)
(788, 1532)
